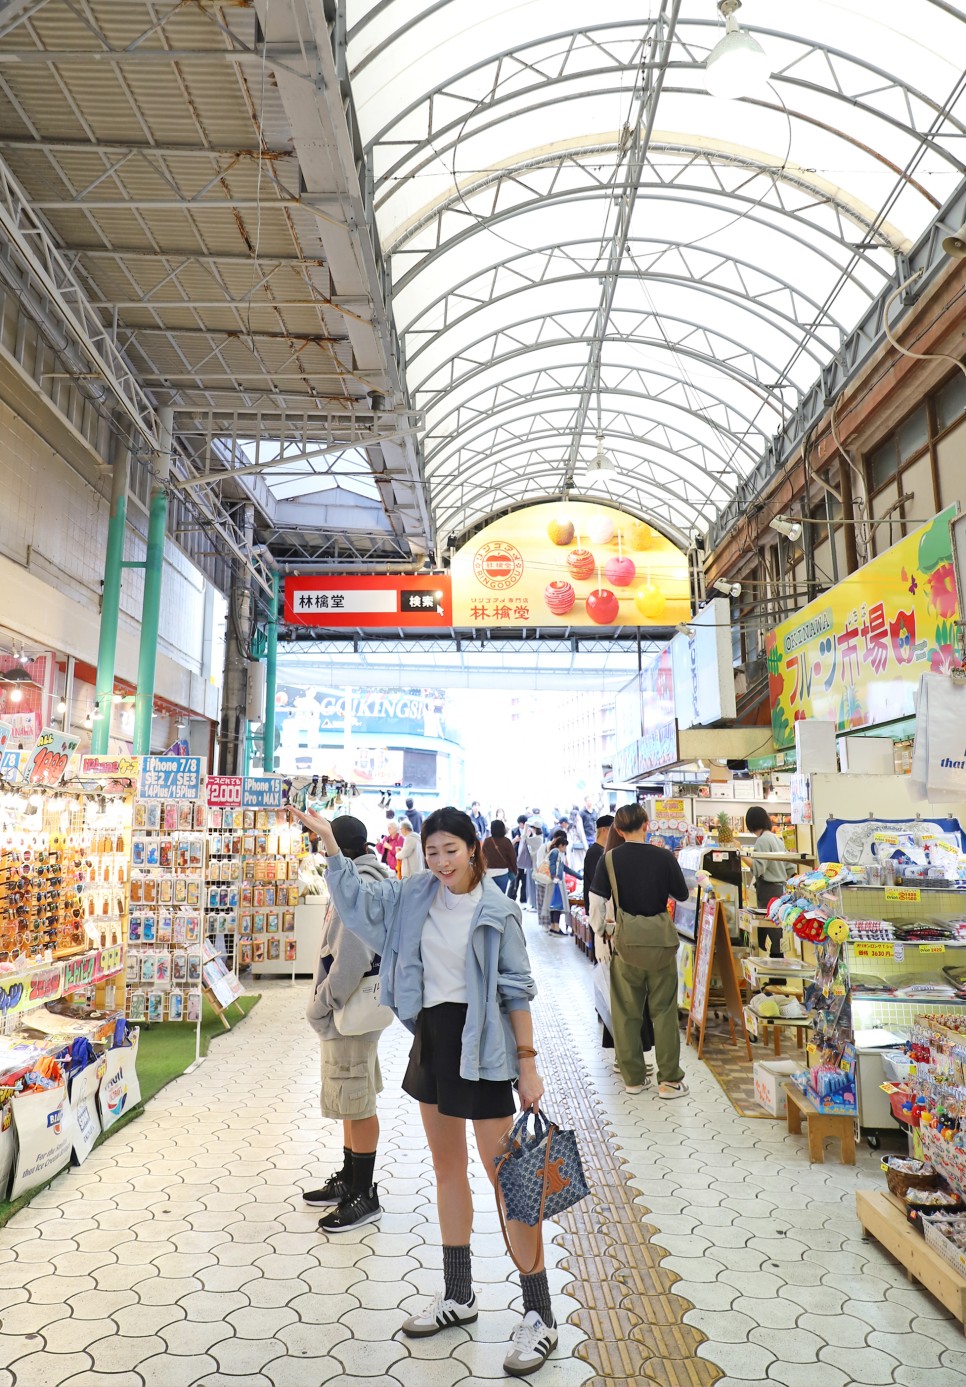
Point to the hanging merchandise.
(86, 1124)
(254, 851)
(42, 1121)
(120, 1089)
(166, 925)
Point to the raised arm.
(365, 907)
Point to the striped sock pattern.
(536, 1296)
(458, 1274)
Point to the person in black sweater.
(643, 971)
(594, 853)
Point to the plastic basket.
(896, 1065)
(946, 1250)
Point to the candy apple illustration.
(603, 607)
(620, 572)
(580, 562)
(559, 597)
(561, 531)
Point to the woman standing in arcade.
(455, 971)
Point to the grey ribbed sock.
(458, 1274)
(536, 1296)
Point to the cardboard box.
(769, 1076)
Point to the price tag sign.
(903, 893)
(932, 948)
(875, 948)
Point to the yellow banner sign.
(875, 949)
(569, 564)
(903, 893)
(854, 656)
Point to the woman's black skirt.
(433, 1075)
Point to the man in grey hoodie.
(351, 1079)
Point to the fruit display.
(559, 597)
(581, 563)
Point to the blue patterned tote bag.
(538, 1176)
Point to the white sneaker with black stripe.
(531, 1344)
(439, 1314)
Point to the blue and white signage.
(170, 778)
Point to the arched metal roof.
(581, 239)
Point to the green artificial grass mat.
(165, 1051)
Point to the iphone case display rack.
(166, 925)
(252, 884)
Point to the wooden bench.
(821, 1126)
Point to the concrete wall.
(53, 536)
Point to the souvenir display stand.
(254, 851)
(167, 919)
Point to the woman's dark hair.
(390, 815)
(559, 837)
(521, 818)
(758, 819)
(497, 829)
(453, 821)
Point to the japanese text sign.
(170, 778)
(569, 564)
(410, 601)
(854, 655)
(248, 792)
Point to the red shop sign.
(413, 603)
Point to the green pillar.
(271, 682)
(111, 599)
(151, 607)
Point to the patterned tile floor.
(181, 1256)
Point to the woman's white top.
(444, 944)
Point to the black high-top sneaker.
(353, 1212)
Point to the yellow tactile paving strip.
(633, 1319)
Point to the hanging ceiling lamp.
(600, 462)
(738, 66)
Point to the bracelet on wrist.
(526, 1052)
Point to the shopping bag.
(363, 1012)
(939, 751)
(538, 1176)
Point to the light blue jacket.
(389, 916)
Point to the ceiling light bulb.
(738, 65)
(61, 708)
(729, 589)
(16, 695)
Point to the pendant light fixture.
(738, 65)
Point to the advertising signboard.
(704, 677)
(855, 654)
(569, 564)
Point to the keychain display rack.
(166, 926)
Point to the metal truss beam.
(853, 82)
(304, 640)
(469, 355)
(457, 437)
(847, 363)
(46, 266)
(787, 324)
(753, 209)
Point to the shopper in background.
(643, 969)
(578, 839)
(588, 817)
(594, 853)
(391, 842)
(557, 895)
(409, 858)
(350, 1063)
(530, 840)
(479, 822)
(769, 876)
(518, 882)
(414, 815)
(455, 970)
(501, 860)
(535, 821)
